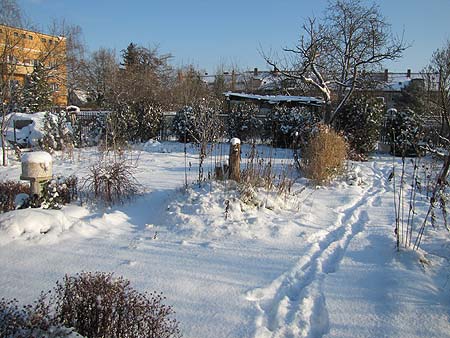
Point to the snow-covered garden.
(317, 261)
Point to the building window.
(28, 62)
(1, 31)
(23, 35)
(11, 59)
(16, 34)
(43, 40)
(53, 64)
(36, 62)
(50, 41)
(30, 37)
(54, 87)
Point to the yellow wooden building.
(21, 50)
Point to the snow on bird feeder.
(36, 168)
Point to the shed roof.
(275, 99)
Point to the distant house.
(21, 50)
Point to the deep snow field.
(320, 262)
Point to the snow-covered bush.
(55, 193)
(93, 305)
(360, 121)
(111, 182)
(8, 192)
(57, 132)
(59, 191)
(244, 123)
(324, 156)
(286, 126)
(405, 132)
(183, 124)
(88, 130)
(133, 122)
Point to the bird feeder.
(36, 168)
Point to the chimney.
(386, 75)
(408, 73)
(255, 71)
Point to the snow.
(73, 109)
(37, 157)
(30, 134)
(273, 99)
(320, 262)
(234, 141)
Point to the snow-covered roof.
(274, 99)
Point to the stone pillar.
(234, 161)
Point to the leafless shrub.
(111, 182)
(324, 156)
(260, 173)
(98, 305)
(8, 192)
(32, 320)
(91, 305)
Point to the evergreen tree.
(57, 132)
(130, 55)
(37, 94)
(183, 125)
(243, 122)
(286, 126)
(360, 120)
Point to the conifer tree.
(37, 93)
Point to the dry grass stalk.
(324, 157)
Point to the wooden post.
(234, 161)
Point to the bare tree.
(205, 127)
(438, 84)
(334, 51)
(11, 13)
(99, 74)
(188, 86)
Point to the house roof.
(274, 99)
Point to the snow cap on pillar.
(235, 141)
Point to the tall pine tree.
(37, 93)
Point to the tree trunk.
(4, 157)
(234, 161)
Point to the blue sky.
(211, 33)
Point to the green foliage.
(89, 130)
(55, 193)
(360, 121)
(412, 97)
(243, 122)
(57, 132)
(37, 94)
(135, 122)
(287, 126)
(183, 124)
(405, 130)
